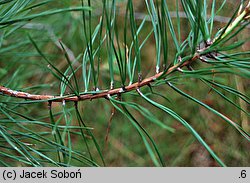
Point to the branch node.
(122, 90)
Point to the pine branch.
(102, 94)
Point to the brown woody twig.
(104, 94)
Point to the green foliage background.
(32, 135)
